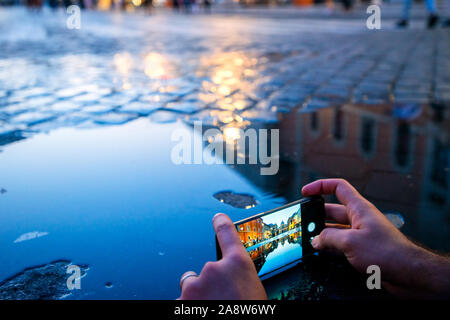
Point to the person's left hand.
(234, 277)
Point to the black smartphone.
(278, 239)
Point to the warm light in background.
(123, 62)
(156, 66)
(231, 134)
(104, 4)
(229, 74)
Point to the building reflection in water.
(259, 254)
(400, 164)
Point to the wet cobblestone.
(120, 67)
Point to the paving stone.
(315, 104)
(335, 92)
(141, 108)
(185, 107)
(87, 98)
(31, 118)
(258, 115)
(207, 98)
(8, 128)
(163, 117)
(114, 118)
(65, 106)
(97, 109)
(114, 100)
(14, 109)
(74, 91)
(157, 98)
(231, 104)
(40, 102)
(31, 92)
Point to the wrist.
(427, 273)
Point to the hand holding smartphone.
(278, 239)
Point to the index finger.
(227, 235)
(340, 187)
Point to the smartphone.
(278, 239)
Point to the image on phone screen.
(280, 238)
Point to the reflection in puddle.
(284, 251)
(237, 200)
(393, 162)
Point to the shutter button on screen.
(311, 227)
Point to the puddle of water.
(114, 190)
(111, 196)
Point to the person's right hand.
(371, 239)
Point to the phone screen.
(280, 238)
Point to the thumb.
(332, 238)
(227, 235)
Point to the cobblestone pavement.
(220, 69)
(390, 12)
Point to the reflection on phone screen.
(275, 240)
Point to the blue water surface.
(110, 197)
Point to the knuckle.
(324, 235)
(210, 267)
(358, 206)
(239, 259)
(354, 207)
(347, 241)
(222, 227)
(191, 288)
(342, 181)
(361, 207)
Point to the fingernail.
(216, 215)
(304, 189)
(315, 242)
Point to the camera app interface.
(275, 240)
